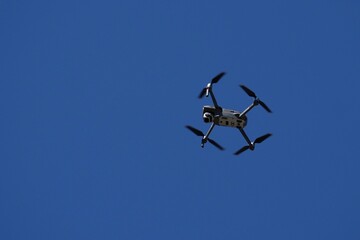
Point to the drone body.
(219, 116)
(224, 117)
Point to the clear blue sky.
(94, 98)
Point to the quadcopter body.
(224, 117)
(219, 116)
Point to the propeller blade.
(217, 77)
(215, 144)
(248, 91)
(262, 138)
(202, 93)
(243, 149)
(264, 106)
(195, 131)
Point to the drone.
(219, 116)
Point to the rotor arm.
(213, 98)
(206, 137)
(247, 139)
(256, 101)
(253, 104)
(208, 89)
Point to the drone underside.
(227, 117)
(216, 115)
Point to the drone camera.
(208, 117)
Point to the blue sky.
(95, 95)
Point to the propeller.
(195, 131)
(201, 134)
(214, 80)
(264, 106)
(215, 144)
(248, 91)
(202, 93)
(252, 94)
(243, 149)
(262, 138)
(252, 146)
(217, 77)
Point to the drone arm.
(213, 98)
(255, 103)
(205, 138)
(245, 136)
